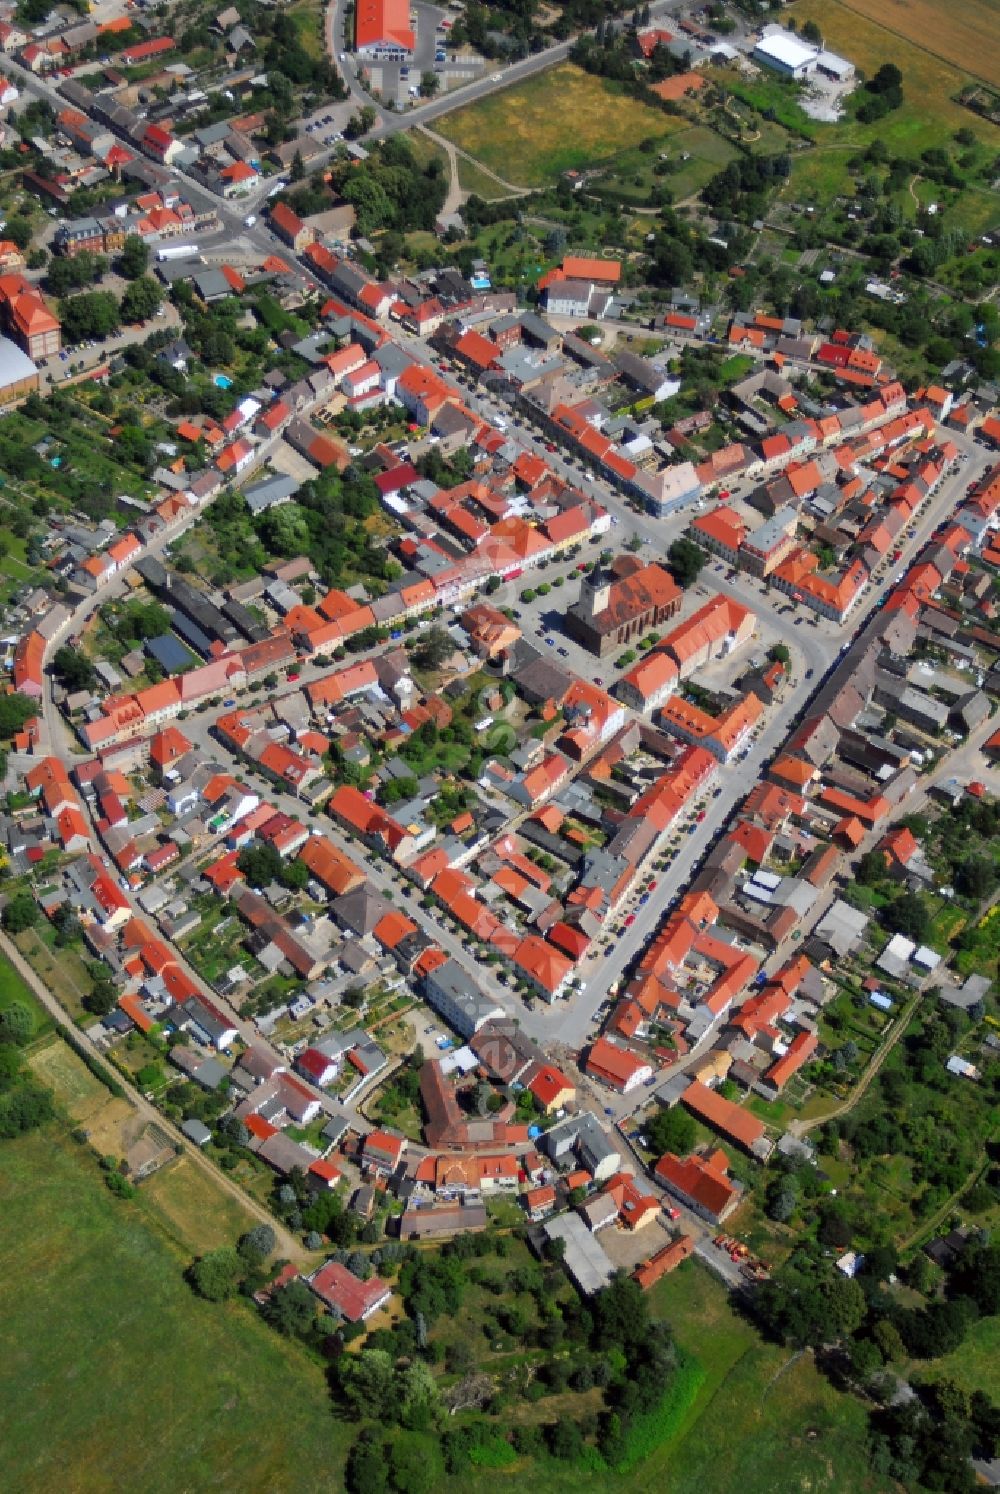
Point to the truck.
(176, 251)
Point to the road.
(288, 1246)
(496, 77)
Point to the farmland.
(558, 121)
(93, 1296)
(964, 35)
(930, 111)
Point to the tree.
(419, 1397)
(780, 653)
(620, 1314)
(291, 1309)
(782, 1197)
(565, 1440)
(256, 1245)
(15, 710)
(17, 1025)
(260, 864)
(134, 258)
(103, 994)
(977, 1275)
(18, 228)
(886, 1336)
(74, 669)
(95, 314)
(416, 1463)
(887, 79)
(141, 300)
(23, 1108)
(671, 1130)
(367, 1470)
(685, 559)
(975, 877)
(812, 33)
(908, 915)
(20, 913)
(870, 869)
(235, 1130)
(216, 1276)
(367, 1383)
(429, 84)
(433, 649)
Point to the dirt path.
(911, 186)
(454, 151)
(456, 194)
(929, 1227)
(287, 1244)
(800, 1128)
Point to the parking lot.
(327, 125)
(398, 83)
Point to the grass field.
(929, 111)
(474, 181)
(965, 34)
(80, 1094)
(61, 970)
(632, 175)
(973, 1365)
(115, 1375)
(763, 1419)
(13, 991)
(192, 1210)
(560, 120)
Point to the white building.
(786, 54)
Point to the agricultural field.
(78, 1091)
(561, 120)
(115, 1374)
(191, 1210)
(930, 111)
(965, 35)
(63, 970)
(113, 1126)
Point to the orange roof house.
(616, 1067)
(800, 1050)
(337, 872)
(701, 1183)
(731, 1121)
(550, 1087)
(542, 965)
(603, 271)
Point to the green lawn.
(14, 991)
(115, 1375)
(749, 1431)
(973, 1365)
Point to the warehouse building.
(18, 375)
(786, 54)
